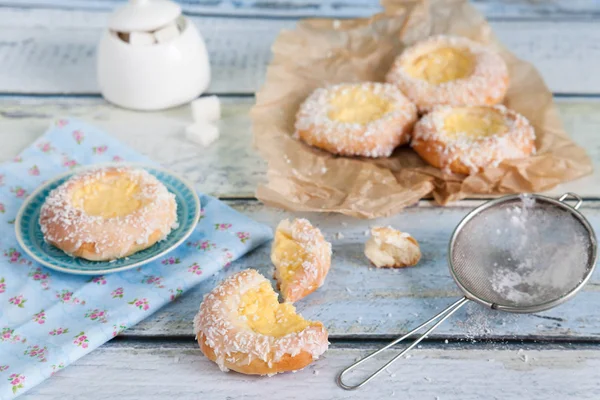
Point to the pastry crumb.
(389, 247)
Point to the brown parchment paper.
(320, 52)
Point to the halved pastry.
(356, 119)
(241, 326)
(466, 140)
(450, 70)
(302, 258)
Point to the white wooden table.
(478, 354)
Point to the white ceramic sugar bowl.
(151, 57)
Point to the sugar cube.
(202, 133)
(206, 109)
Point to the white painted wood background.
(47, 71)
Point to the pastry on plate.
(302, 258)
(356, 119)
(108, 213)
(466, 140)
(241, 326)
(450, 70)
(388, 247)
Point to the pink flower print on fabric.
(46, 147)
(8, 335)
(243, 236)
(175, 293)
(2, 208)
(99, 149)
(34, 171)
(41, 353)
(203, 245)
(81, 340)
(3, 368)
(222, 227)
(117, 293)
(195, 269)
(170, 261)
(1, 179)
(58, 331)
(15, 257)
(153, 280)
(202, 215)
(97, 315)
(69, 163)
(18, 301)
(2, 285)
(227, 258)
(61, 122)
(19, 192)
(18, 159)
(118, 329)
(57, 367)
(98, 280)
(67, 297)
(41, 276)
(78, 136)
(117, 159)
(17, 381)
(141, 304)
(40, 317)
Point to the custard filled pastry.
(450, 70)
(241, 326)
(356, 119)
(108, 213)
(466, 140)
(302, 258)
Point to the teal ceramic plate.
(31, 239)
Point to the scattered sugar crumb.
(348, 290)
(323, 170)
(428, 379)
(336, 23)
(366, 232)
(316, 372)
(446, 341)
(389, 315)
(339, 235)
(408, 356)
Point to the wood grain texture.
(582, 9)
(358, 301)
(179, 371)
(230, 168)
(565, 52)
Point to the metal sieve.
(518, 253)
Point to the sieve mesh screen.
(522, 252)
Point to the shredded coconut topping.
(516, 141)
(377, 138)
(487, 83)
(227, 333)
(67, 225)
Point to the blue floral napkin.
(50, 319)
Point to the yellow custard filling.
(109, 197)
(287, 255)
(442, 65)
(474, 123)
(358, 105)
(265, 315)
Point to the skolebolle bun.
(450, 70)
(466, 140)
(108, 213)
(356, 119)
(241, 326)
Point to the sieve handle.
(438, 319)
(574, 196)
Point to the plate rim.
(145, 166)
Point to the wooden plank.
(362, 302)
(583, 9)
(169, 370)
(41, 54)
(229, 168)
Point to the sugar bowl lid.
(144, 15)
